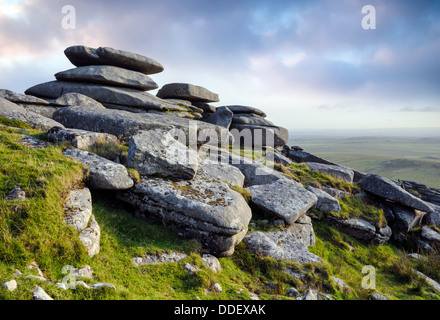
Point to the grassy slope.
(35, 231)
(416, 159)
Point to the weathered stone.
(103, 285)
(357, 228)
(32, 142)
(85, 272)
(336, 193)
(207, 108)
(221, 117)
(376, 296)
(326, 202)
(237, 109)
(250, 119)
(292, 292)
(40, 294)
(159, 258)
(404, 218)
(302, 231)
(221, 171)
(20, 98)
(387, 189)
(250, 135)
(428, 194)
(103, 174)
(103, 94)
(73, 99)
(16, 194)
(108, 75)
(279, 245)
(15, 112)
(187, 91)
(429, 234)
(277, 158)
(86, 56)
(339, 172)
(78, 208)
(34, 266)
(310, 295)
(212, 263)
(91, 236)
(284, 198)
(301, 156)
(42, 110)
(156, 152)
(80, 139)
(125, 124)
(10, 285)
(205, 209)
(191, 269)
(342, 285)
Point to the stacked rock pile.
(118, 79)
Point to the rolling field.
(416, 159)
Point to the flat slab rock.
(284, 198)
(109, 75)
(103, 174)
(221, 171)
(385, 188)
(78, 208)
(200, 208)
(159, 258)
(85, 56)
(279, 245)
(238, 109)
(13, 111)
(77, 99)
(81, 139)
(326, 202)
(124, 124)
(187, 91)
(251, 119)
(21, 98)
(103, 94)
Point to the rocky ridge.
(104, 99)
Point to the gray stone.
(156, 152)
(376, 296)
(20, 98)
(202, 208)
(292, 292)
(250, 119)
(78, 208)
(37, 277)
(73, 99)
(250, 135)
(125, 124)
(302, 156)
(404, 219)
(103, 174)
(238, 109)
(326, 202)
(85, 272)
(15, 112)
(336, 193)
(16, 194)
(387, 189)
(32, 142)
(310, 295)
(103, 94)
(357, 228)
(190, 268)
(86, 56)
(339, 172)
(284, 198)
(40, 294)
(429, 234)
(10, 285)
(34, 266)
(81, 139)
(255, 173)
(91, 236)
(212, 263)
(108, 75)
(42, 110)
(221, 171)
(434, 284)
(279, 245)
(277, 158)
(103, 285)
(221, 117)
(342, 285)
(207, 108)
(187, 91)
(159, 258)
(302, 231)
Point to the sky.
(309, 64)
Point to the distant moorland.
(405, 158)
